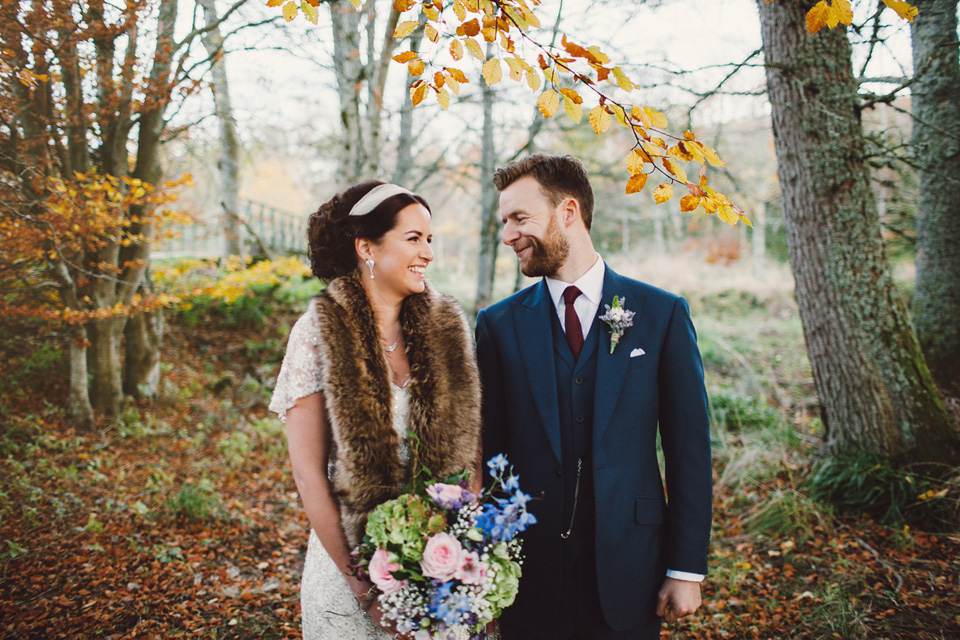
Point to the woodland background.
(158, 160)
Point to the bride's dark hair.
(331, 230)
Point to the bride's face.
(401, 256)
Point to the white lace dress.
(328, 609)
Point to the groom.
(614, 550)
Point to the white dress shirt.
(586, 305)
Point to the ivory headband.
(375, 197)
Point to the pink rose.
(441, 557)
(471, 570)
(380, 572)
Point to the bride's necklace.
(393, 347)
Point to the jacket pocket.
(648, 511)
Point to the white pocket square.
(637, 352)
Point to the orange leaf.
(689, 203)
(404, 57)
(817, 16)
(636, 182)
(456, 49)
(416, 67)
(548, 103)
(405, 28)
(599, 119)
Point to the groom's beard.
(547, 255)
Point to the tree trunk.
(143, 333)
(876, 391)
(349, 71)
(229, 163)
(106, 391)
(935, 96)
(490, 220)
(141, 371)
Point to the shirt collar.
(590, 284)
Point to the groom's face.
(531, 227)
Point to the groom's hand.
(677, 598)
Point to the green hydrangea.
(506, 580)
(401, 525)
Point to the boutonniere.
(618, 319)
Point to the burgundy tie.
(572, 321)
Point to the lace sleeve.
(300, 372)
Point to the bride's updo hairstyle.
(331, 230)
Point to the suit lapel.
(611, 367)
(535, 338)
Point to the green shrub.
(735, 413)
(787, 512)
(196, 503)
(862, 482)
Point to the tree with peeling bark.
(876, 390)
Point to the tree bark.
(229, 163)
(349, 72)
(935, 104)
(875, 389)
(141, 373)
(489, 221)
(143, 333)
(106, 390)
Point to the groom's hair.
(559, 177)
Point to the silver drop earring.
(369, 263)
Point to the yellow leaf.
(431, 12)
(712, 157)
(516, 69)
(274, 3)
(689, 203)
(636, 182)
(356, 3)
(456, 49)
(549, 103)
(640, 116)
(623, 81)
(453, 84)
(676, 170)
(533, 80)
(598, 55)
(474, 48)
(636, 161)
(416, 67)
(727, 214)
(817, 16)
(405, 28)
(405, 57)
(599, 119)
(574, 110)
(492, 72)
(529, 16)
(517, 18)
(456, 74)
(418, 92)
(431, 33)
(620, 115)
(310, 12)
(403, 5)
(490, 34)
(663, 193)
(657, 119)
(550, 75)
(904, 10)
(844, 11)
(290, 11)
(443, 98)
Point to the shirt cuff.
(683, 575)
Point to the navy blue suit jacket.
(639, 533)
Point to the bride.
(377, 354)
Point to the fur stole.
(444, 396)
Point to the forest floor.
(181, 518)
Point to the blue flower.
(512, 483)
(497, 464)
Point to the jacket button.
(557, 471)
(579, 380)
(579, 418)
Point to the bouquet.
(440, 557)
